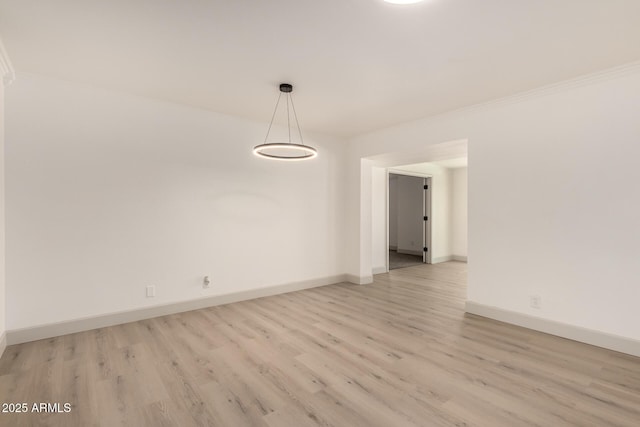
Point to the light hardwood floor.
(399, 352)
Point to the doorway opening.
(409, 212)
(445, 164)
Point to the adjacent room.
(319, 213)
(419, 214)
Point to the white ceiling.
(356, 65)
(459, 162)
(427, 167)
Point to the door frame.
(427, 229)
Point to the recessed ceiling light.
(403, 1)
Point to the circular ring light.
(285, 151)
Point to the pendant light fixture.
(285, 150)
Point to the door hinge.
(426, 187)
(425, 249)
(426, 218)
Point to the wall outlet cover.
(535, 301)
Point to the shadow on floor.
(397, 260)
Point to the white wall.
(3, 304)
(459, 213)
(393, 207)
(379, 233)
(6, 77)
(553, 206)
(107, 193)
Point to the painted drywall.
(552, 204)
(107, 193)
(379, 206)
(2, 222)
(459, 213)
(393, 204)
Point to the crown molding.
(541, 91)
(561, 86)
(7, 73)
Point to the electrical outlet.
(535, 301)
(151, 291)
(206, 282)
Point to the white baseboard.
(441, 259)
(379, 270)
(359, 280)
(3, 343)
(462, 258)
(17, 336)
(564, 330)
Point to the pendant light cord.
(285, 150)
(288, 119)
(295, 115)
(297, 124)
(273, 117)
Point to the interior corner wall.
(365, 236)
(552, 203)
(3, 305)
(459, 213)
(379, 233)
(107, 193)
(393, 212)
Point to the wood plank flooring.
(399, 352)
